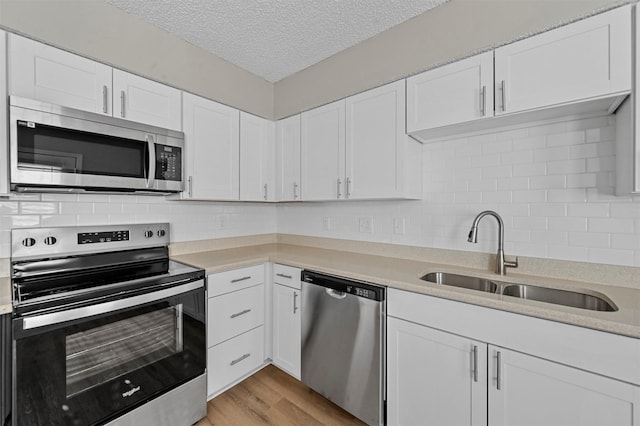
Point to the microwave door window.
(55, 149)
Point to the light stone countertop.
(405, 274)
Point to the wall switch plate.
(326, 223)
(398, 225)
(365, 225)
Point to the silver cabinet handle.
(237, 360)
(236, 315)
(122, 104)
(190, 187)
(237, 280)
(295, 191)
(295, 299)
(335, 293)
(264, 190)
(483, 101)
(475, 363)
(284, 276)
(339, 183)
(498, 363)
(348, 195)
(504, 95)
(105, 102)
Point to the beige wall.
(450, 31)
(103, 32)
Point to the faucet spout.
(501, 263)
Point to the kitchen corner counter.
(5, 295)
(405, 275)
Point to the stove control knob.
(28, 242)
(148, 234)
(162, 233)
(50, 241)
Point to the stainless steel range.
(106, 329)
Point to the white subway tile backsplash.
(545, 182)
(527, 170)
(76, 208)
(611, 225)
(566, 138)
(589, 239)
(566, 167)
(588, 209)
(566, 195)
(611, 256)
(567, 224)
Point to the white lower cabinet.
(535, 391)
(434, 378)
(287, 319)
(232, 360)
(439, 377)
(235, 326)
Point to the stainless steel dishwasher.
(343, 343)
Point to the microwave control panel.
(168, 162)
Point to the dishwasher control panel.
(345, 285)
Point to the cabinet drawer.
(235, 313)
(231, 360)
(225, 282)
(287, 275)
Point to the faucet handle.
(511, 264)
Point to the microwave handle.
(151, 165)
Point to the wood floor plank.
(272, 397)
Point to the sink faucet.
(501, 264)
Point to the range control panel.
(40, 242)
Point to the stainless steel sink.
(464, 281)
(559, 297)
(555, 296)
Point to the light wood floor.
(272, 397)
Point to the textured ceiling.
(275, 38)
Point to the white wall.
(189, 220)
(551, 183)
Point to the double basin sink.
(570, 298)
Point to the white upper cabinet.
(587, 59)
(44, 73)
(322, 152)
(257, 158)
(357, 149)
(452, 94)
(288, 159)
(376, 144)
(212, 149)
(146, 101)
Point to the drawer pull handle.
(295, 300)
(246, 311)
(475, 363)
(284, 276)
(498, 373)
(237, 280)
(242, 358)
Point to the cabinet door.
(47, 74)
(586, 59)
(375, 143)
(434, 378)
(212, 150)
(452, 94)
(257, 158)
(146, 101)
(323, 151)
(533, 391)
(288, 159)
(286, 329)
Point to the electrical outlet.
(326, 223)
(398, 225)
(223, 221)
(366, 225)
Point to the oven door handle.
(106, 307)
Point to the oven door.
(89, 365)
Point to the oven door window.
(95, 369)
(101, 354)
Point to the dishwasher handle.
(335, 293)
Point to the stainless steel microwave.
(60, 149)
